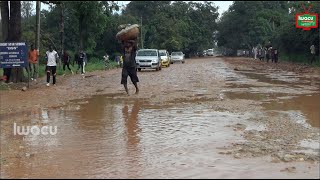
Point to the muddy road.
(207, 118)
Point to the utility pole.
(141, 34)
(62, 28)
(38, 6)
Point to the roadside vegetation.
(189, 27)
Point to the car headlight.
(154, 61)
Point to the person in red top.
(33, 56)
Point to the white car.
(148, 59)
(177, 57)
(210, 52)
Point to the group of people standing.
(269, 52)
(127, 61)
(52, 58)
(266, 53)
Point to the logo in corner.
(307, 21)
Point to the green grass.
(4, 86)
(298, 58)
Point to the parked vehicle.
(210, 52)
(165, 58)
(148, 59)
(205, 52)
(201, 54)
(177, 57)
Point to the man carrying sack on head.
(128, 37)
(129, 65)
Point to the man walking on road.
(313, 53)
(33, 56)
(106, 61)
(129, 65)
(82, 61)
(254, 51)
(66, 62)
(268, 53)
(52, 58)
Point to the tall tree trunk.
(4, 19)
(81, 20)
(4, 7)
(15, 35)
(15, 21)
(38, 6)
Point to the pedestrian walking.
(33, 56)
(268, 51)
(118, 61)
(274, 55)
(82, 61)
(106, 60)
(313, 53)
(254, 51)
(66, 58)
(129, 65)
(51, 68)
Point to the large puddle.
(110, 136)
(284, 92)
(307, 105)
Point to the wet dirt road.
(207, 118)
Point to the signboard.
(13, 55)
(307, 21)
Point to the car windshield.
(177, 54)
(147, 53)
(162, 53)
(210, 50)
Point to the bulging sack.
(128, 33)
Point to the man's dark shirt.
(66, 58)
(129, 60)
(81, 57)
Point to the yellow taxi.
(165, 58)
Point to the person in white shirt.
(313, 53)
(255, 51)
(52, 58)
(106, 60)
